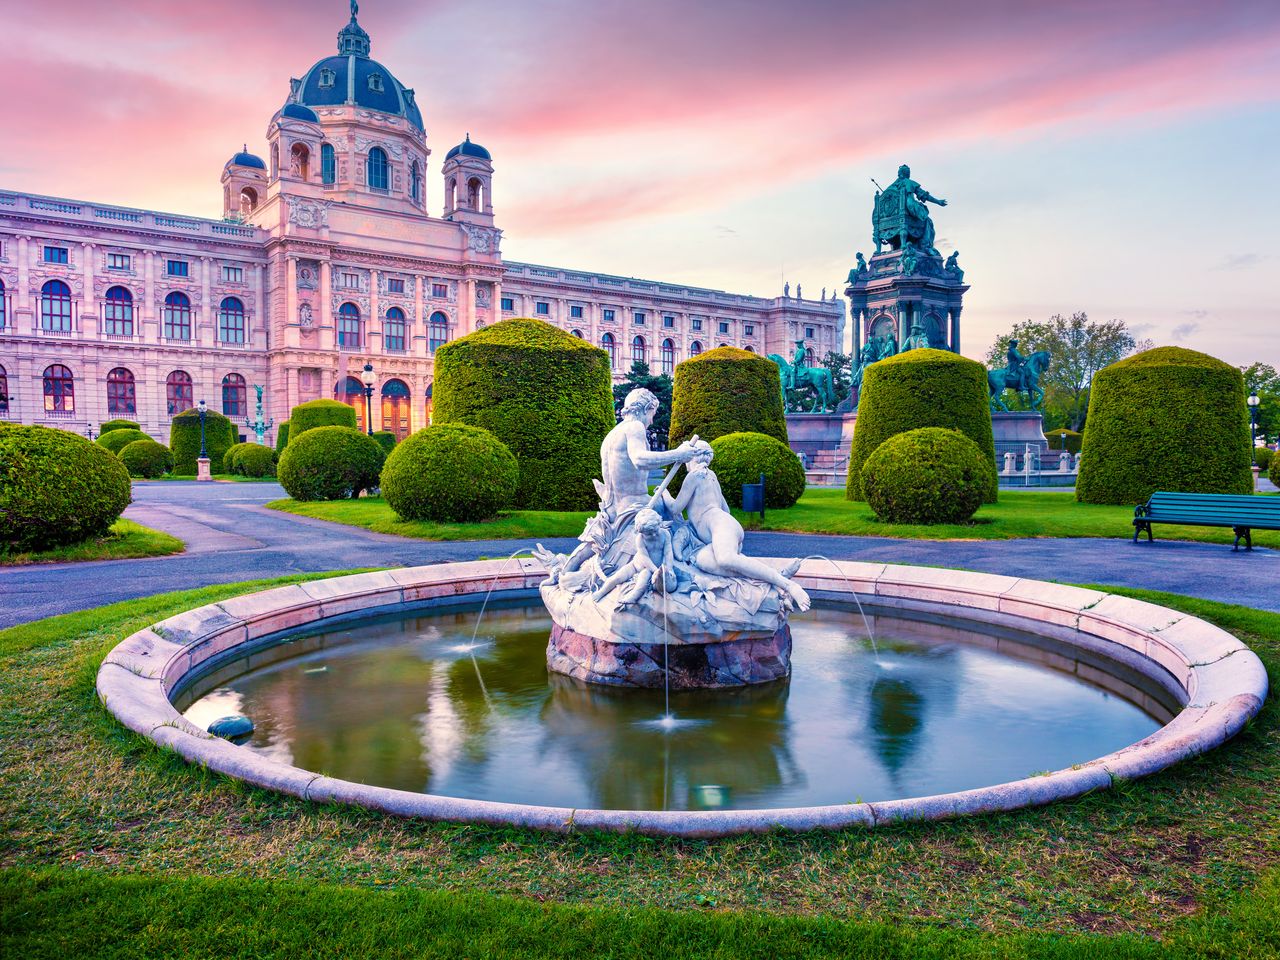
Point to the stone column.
(22, 302)
(260, 307)
(292, 393)
(418, 343)
(858, 316)
(88, 302)
(904, 322)
(955, 329)
(324, 335)
(205, 318)
(150, 314)
(373, 339)
(291, 289)
(468, 306)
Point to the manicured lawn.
(125, 541)
(372, 513)
(113, 847)
(225, 477)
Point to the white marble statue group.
(663, 568)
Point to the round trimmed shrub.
(256, 460)
(1263, 456)
(57, 488)
(320, 413)
(1165, 419)
(1074, 440)
(282, 436)
(146, 458)
(184, 440)
(330, 463)
(110, 425)
(117, 440)
(727, 390)
(921, 388)
(231, 457)
(450, 471)
(386, 439)
(741, 458)
(542, 392)
(929, 475)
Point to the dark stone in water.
(237, 729)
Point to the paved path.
(231, 536)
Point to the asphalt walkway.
(231, 536)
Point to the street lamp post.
(202, 464)
(1253, 402)
(88, 432)
(368, 378)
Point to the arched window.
(695, 348)
(300, 161)
(415, 182)
(610, 346)
(749, 348)
(577, 333)
(55, 307)
(351, 392)
(235, 399)
(122, 395)
(809, 359)
(637, 350)
(177, 316)
(475, 193)
(231, 320)
(328, 163)
(349, 326)
(437, 331)
(59, 390)
(248, 201)
(451, 193)
(117, 313)
(4, 391)
(178, 392)
(4, 313)
(377, 169)
(668, 356)
(393, 331)
(396, 401)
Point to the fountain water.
(853, 593)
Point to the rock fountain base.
(733, 660)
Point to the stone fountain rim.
(1220, 682)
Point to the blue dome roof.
(468, 149)
(246, 159)
(298, 112)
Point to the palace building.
(326, 259)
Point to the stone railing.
(95, 213)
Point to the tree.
(1079, 348)
(660, 387)
(1262, 379)
(839, 364)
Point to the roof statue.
(900, 216)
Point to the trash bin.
(753, 497)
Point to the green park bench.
(1241, 512)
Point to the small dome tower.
(244, 185)
(468, 184)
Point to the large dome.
(353, 78)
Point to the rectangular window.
(508, 303)
(724, 327)
(351, 281)
(608, 316)
(575, 313)
(177, 268)
(697, 324)
(395, 286)
(233, 274)
(808, 332)
(440, 290)
(543, 308)
(117, 261)
(638, 317)
(668, 322)
(749, 330)
(55, 254)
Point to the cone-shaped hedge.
(1165, 419)
(320, 413)
(727, 390)
(184, 440)
(541, 391)
(921, 388)
(282, 436)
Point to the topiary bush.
(450, 471)
(1074, 440)
(184, 440)
(329, 463)
(1165, 419)
(1273, 472)
(1263, 456)
(929, 475)
(320, 413)
(282, 436)
(146, 458)
(542, 392)
(386, 439)
(110, 425)
(117, 440)
(57, 488)
(230, 458)
(921, 388)
(727, 390)
(741, 458)
(256, 460)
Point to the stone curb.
(1219, 681)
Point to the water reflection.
(406, 703)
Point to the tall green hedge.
(1165, 419)
(320, 413)
(282, 436)
(727, 390)
(1074, 440)
(57, 488)
(184, 440)
(921, 388)
(541, 391)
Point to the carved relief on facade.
(309, 215)
(305, 318)
(481, 239)
(483, 294)
(308, 274)
(363, 145)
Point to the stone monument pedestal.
(822, 441)
(1014, 430)
(202, 469)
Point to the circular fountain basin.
(936, 723)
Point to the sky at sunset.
(1119, 158)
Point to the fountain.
(658, 592)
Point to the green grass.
(372, 513)
(224, 477)
(125, 540)
(115, 847)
